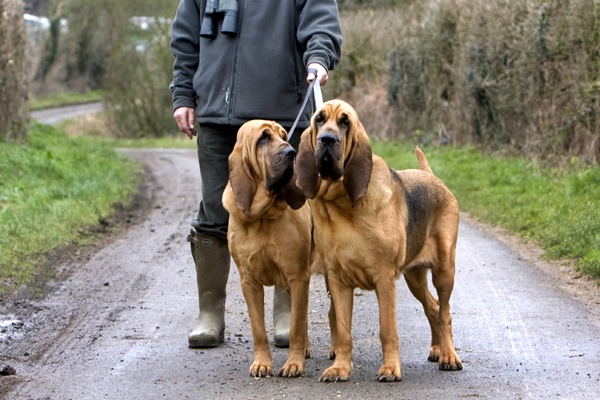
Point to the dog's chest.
(266, 251)
(256, 259)
(355, 252)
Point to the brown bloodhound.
(372, 224)
(269, 236)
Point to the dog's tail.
(423, 164)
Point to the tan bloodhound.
(269, 236)
(371, 225)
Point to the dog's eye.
(319, 118)
(264, 138)
(345, 121)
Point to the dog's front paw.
(388, 373)
(307, 347)
(261, 370)
(292, 370)
(449, 361)
(335, 374)
(434, 354)
(307, 352)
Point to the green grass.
(85, 129)
(557, 209)
(51, 189)
(64, 99)
(169, 142)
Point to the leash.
(314, 87)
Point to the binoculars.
(214, 10)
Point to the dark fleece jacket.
(261, 72)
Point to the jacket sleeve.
(185, 47)
(320, 32)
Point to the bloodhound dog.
(269, 236)
(372, 224)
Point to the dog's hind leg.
(443, 281)
(391, 370)
(332, 323)
(416, 279)
(294, 366)
(342, 299)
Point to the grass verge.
(64, 99)
(52, 188)
(168, 142)
(558, 209)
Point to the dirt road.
(53, 115)
(115, 326)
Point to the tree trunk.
(14, 115)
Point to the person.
(237, 60)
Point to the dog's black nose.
(289, 152)
(327, 139)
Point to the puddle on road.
(10, 328)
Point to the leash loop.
(315, 87)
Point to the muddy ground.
(113, 322)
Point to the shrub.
(137, 82)
(520, 75)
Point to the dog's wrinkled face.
(270, 156)
(332, 127)
(335, 146)
(263, 157)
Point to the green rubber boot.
(281, 318)
(212, 260)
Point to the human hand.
(321, 73)
(186, 119)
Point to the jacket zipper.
(229, 93)
(293, 45)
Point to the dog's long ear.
(242, 184)
(357, 171)
(293, 195)
(306, 166)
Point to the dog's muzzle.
(328, 154)
(282, 166)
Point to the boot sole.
(205, 343)
(282, 342)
